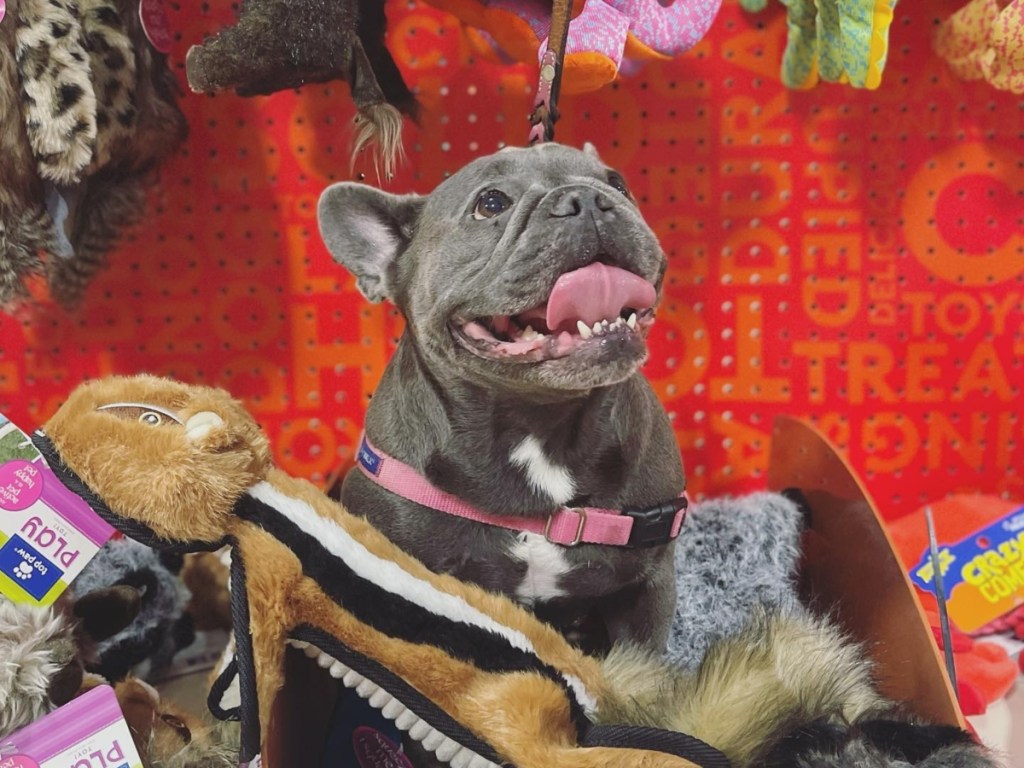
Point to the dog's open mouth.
(597, 305)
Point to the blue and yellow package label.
(982, 574)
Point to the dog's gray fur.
(456, 417)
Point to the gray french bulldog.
(528, 281)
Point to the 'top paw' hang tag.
(47, 533)
(87, 732)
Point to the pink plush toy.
(984, 40)
(602, 33)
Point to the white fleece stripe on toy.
(388, 575)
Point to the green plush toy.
(837, 42)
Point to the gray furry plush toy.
(161, 628)
(87, 111)
(735, 555)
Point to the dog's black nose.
(573, 202)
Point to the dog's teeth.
(584, 329)
(447, 750)
(324, 660)
(352, 679)
(311, 651)
(631, 322)
(480, 762)
(300, 644)
(406, 720)
(598, 328)
(365, 688)
(462, 758)
(393, 709)
(338, 670)
(433, 740)
(529, 334)
(379, 699)
(420, 730)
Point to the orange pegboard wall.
(857, 257)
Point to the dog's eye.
(151, 418)
(490, 204)
(616, 180)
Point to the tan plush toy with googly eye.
(467, 675)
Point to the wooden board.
(851, 569)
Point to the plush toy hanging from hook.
(87, 112)
(603, 33)
(833, 41)
(278, 45)
(984, 40)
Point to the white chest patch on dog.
(545, 563)
(542, 474)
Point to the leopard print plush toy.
(88, 109)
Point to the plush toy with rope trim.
(467, 674)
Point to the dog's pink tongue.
(594, 293)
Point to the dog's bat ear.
(591, 150)
(366, 229)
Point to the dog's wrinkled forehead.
(545, 165)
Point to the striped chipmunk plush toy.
(467, 675)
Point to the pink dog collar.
(568, 526)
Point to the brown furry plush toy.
(87, 112)
(280, 44)
(167, 736)
(468, 675)
(205, 574)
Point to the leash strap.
(568, 526)
(545, 108)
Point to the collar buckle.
(653, 525)
(579, 528)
